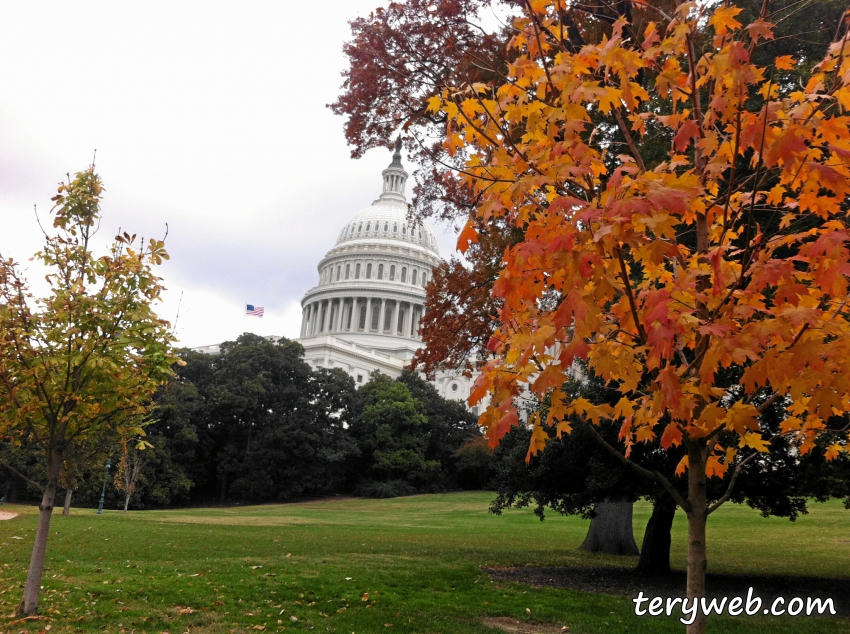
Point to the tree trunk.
(655, 550)
(66, 510)
(32, 588)
(127, 501)
(697, 517)
(611, 530)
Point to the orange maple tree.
(730, 251)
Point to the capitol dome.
(371, 291)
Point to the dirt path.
(7, 516)
(507, 624)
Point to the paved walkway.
(7, 516)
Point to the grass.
(349, 565)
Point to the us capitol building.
(364, 313)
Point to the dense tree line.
(256, 424)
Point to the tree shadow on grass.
(628, 582)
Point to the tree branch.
(655, 476)
(21, 476)
(735, 473)
(628, 288)
(632, 146)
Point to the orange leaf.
(786, 62)
(539, 437)
(760, 29)
(724, 20)
(467, 236)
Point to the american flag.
(256, 311)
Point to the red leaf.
(687, 131)
(573, 305)
(503, 427)
(672, 436)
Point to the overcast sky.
(207, 116)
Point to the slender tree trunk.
(611, 530)
(655, 550)
(697, 517)
(127, 501)
(32, 588)
(66, 510)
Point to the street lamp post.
(103, 493)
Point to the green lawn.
(418, 559)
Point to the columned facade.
(338, 315)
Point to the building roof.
(387, 218)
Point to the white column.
(394, 317)
(311, 319)
(340, 311)
(399, 315)
(370, 306)
(329, 315)
(366, 311)
(381, 316)
(303, 322)
(414, 321)
(323, 314)
(408, 321)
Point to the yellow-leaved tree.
(729, 251)
(79, 366)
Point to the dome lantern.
(395, 177)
